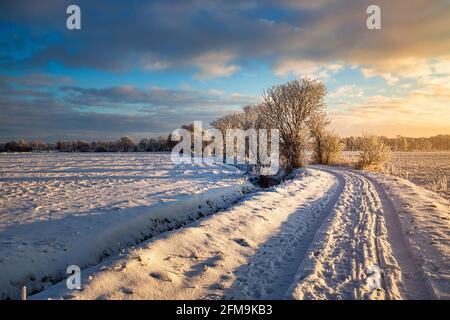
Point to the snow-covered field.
(59, 209)
(329, 233)
(430, 170)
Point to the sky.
(144, 68)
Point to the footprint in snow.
(160, 276)
(242, 242)
(127, 290)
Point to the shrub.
(330, 149)
(373, 152)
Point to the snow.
(430, 170)
(330, 233)
(424, 226)
(134, 225)
(349, 245)
(62, 209)
(240, 253)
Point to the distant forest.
(436, 143)
(161, 144)
(124, 144)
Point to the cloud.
(155, 96)
(218, 37)
(421, 110)
(395, 70)
(214, 64)
(155, 64)
(44, 118)
(51, 111)
(347, 91)
(34, 80)
(213, 39)
(311, 5)
(302, 68)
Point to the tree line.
(163, 144)
(399, 143)
(123, 144)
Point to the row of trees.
(297, 110)
(246, 119)
(124, 144)
(399, 143)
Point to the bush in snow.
(373, 152)
(330, 150)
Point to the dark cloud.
(152, 97)
(212, 37)
(44, 118)
(35, 80)
(179, 34)
(49, 111)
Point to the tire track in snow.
(349, 246)
(415, 284)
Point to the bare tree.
(327, 146)
(228, 121)
(252, 117)
(38, 145)
(125, 144)
(18, 146)
(82, 146)
(288, 108)
(317, 125)
(101, 146)
(332, 147)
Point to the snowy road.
(328, 234)
(363, 235)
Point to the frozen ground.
(430, 170)
(59, 209)
(330, 233)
